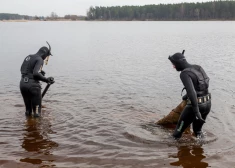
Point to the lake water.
(113, 81)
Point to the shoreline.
(153, 20)
(38, 20)
(110, 20)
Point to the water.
(113, 81)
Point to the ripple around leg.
(154, 134)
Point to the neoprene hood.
(44, 51)
(178, 59)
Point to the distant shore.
(153, 20)
(111, 20)
(38, 20)
(13, 20)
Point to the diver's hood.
(178, 60)
(44, 51)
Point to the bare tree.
(53, 16)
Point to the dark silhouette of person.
(190, 157)
(196, 83)
(37, 143)
(32, 74)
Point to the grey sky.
(63, 7)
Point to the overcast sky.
(63, 7)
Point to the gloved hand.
(43, 73)
(50, 80)
(185, 97)
(199, 117)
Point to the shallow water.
(113, 81)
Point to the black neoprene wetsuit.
(29, 85)
(196, 87)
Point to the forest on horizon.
(213, 10)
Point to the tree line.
(213, 10)
(7, 16)
(52, 16)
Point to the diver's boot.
(37, 115)
(27, 113)
(175, 138)
(177, 135)
(199, 135)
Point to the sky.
(75, 7)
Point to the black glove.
(43, 73)
(199, 117)
(185, 97)
(50, 80)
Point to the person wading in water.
(32, 74)
(196, 83)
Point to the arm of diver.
(36, 71)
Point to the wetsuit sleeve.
(191, 93)
(36, 70)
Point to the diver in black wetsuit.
(196, 83)
(32, 73)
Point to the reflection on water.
(37, 142)
(190, 157)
